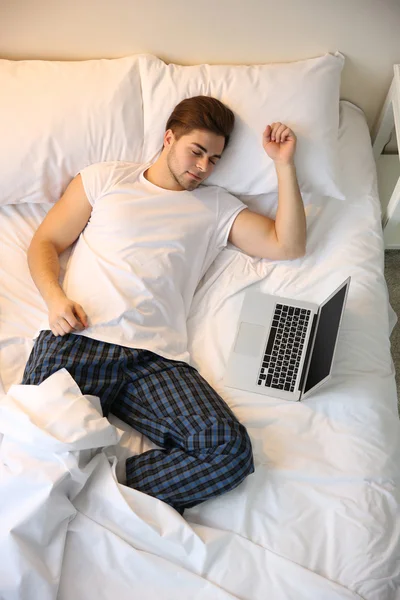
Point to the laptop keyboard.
(282, 356)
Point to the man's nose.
(202, 163)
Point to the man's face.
(193, 157)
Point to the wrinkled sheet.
(61, 488)
(319, 517)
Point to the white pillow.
(304, 95)
(58, 117)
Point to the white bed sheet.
(317, 519)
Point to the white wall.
(367, 32)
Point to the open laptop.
(285, 348)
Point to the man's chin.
(189, 185)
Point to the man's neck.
(158, 174)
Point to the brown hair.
(201, 112)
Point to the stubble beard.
(182, 180)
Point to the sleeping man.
(145, 235)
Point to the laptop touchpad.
(250, 339)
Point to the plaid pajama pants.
(205, 450)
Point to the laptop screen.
(325, 340)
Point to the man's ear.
(169, 138)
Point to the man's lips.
(194, 176)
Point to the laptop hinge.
(307, 359)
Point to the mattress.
(319, 516)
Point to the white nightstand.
(388, 165)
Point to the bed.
(319, 516)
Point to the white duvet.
(319, 517)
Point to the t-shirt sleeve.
(97, 178)
(228, 208)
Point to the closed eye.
(199, 154)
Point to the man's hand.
(65, 316)
(279, 142)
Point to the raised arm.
(284, 238)
(61, 227)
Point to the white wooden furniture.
(388, 165)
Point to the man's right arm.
(61, 227)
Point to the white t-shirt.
(136, 265)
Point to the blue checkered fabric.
(205, 450)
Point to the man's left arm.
(284, 238)
(290, 219)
